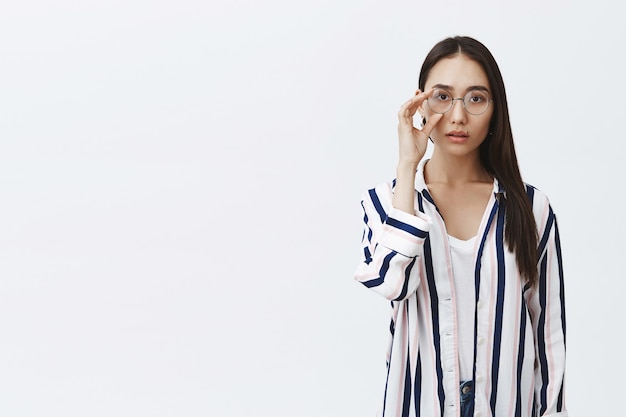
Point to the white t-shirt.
(462, 252)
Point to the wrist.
(404, 192)
(406, 168)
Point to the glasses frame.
(458, 98)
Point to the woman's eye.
(477, 98)
(442, 97)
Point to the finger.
(405, 115)
(431, 123)
(409, 108)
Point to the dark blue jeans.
(467, 398)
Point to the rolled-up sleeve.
(392, 242)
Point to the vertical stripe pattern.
(516, 326)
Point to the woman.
(468, 254)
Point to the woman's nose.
(457, 112)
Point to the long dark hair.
(497, 152)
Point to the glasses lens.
(476, 102)
(440, 101)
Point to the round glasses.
(475, 101)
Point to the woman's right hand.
(414, 141)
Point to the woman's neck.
(455, 170)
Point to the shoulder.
(382, 191)
(537, 197)
(379, 197)
(535, 194)
(542, 209)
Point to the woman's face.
(459, 131)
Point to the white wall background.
(180, 184)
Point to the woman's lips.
(457, 136)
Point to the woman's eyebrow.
(470, 88)
(477, 87)
(442, 86)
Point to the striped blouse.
(519, 331)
